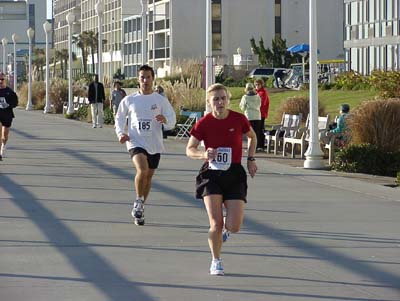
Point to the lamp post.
(70, 20)
(144, 32)
(111, 54)
(4, 41)
(100, 10)
(47, 28)
(15, 39)
(30, 32)
(209, 79)
(314, 153)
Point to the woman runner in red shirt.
(222, 179)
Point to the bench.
(77, 103)
(301, 137)
(288, 127)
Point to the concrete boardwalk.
(67, 234)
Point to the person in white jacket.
(147, 113)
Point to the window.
(216, 25)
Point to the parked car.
(264, 72)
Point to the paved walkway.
(66, 231)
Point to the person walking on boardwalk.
(116, 96)
(8, 101)
(147, 111)
(222, 179)
(96, 96)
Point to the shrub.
(108, 116)
(351, 80)
(82, 112)
(387, 83)
(130, 83)
(367, 158)
(229, 82)
(376, 122)
(58, 93)
(38, 94)
(296, 105)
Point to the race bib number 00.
(144, 127)
(223, 160)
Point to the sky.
(48, 9)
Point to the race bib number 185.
(144, 127)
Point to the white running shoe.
(139, 221)
(138, 209)
(216, 267)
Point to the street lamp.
(4, 41)
(47, 28)
(70, 20)
(99, 7)
(314, 153)
(209, 79)
(30, 32)
(15, 39)
(144, 31)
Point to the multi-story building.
(15, 18)
(176, 29)
(86, 19)
(372, 35)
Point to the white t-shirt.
(143, 129)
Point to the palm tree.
(57, 55)
(38, 61)
(92, 43)
(82, 42)
(64, 62)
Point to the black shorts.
(6, 119)
(152, 160)
(231, 184)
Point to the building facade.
(15, 18)
(372, 35)
(176, 30)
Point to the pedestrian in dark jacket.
(8, 101)
(96, 96)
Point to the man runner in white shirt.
(147, 112)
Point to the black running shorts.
(6, 119)
(152, 160)
(231, 184)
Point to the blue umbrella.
(302, 49)
(299, 48)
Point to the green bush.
(387, 83)
(130, 83)
(108, 116)
(351, 80)
(367, 158)
(82, 112)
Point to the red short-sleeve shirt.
(226, 132)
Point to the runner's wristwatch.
(251, 158)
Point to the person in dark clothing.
(96, 96)
(8, 101)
